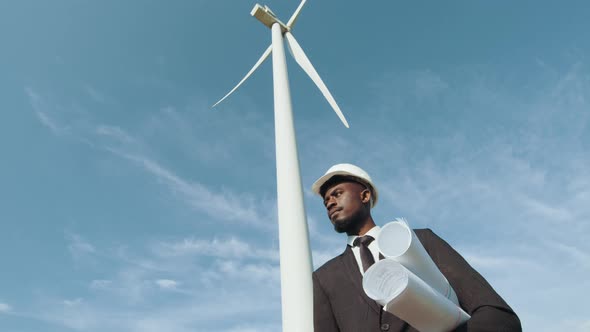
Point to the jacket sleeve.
(491, 319)
(323, 317)
(489, 312)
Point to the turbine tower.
(295, 253)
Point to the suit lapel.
(355, 276)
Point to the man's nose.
(331, 202)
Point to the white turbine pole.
(295, 254)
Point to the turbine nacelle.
(267, 17)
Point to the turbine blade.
(306, 65)
(258, 63)
(293, 18)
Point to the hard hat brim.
(316, 187)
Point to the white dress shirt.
(373, 247)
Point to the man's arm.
(489, 312)
(491, 319)
(323, 317)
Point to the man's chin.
(338, 229)
(342, 226)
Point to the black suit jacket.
(340, 303)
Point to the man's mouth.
(331, 214)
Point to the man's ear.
(365, 196)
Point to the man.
(340, 304)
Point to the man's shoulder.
(426, 236)
(330, 265)
(423, 231)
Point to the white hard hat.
(347, 170)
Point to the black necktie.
(366, 256)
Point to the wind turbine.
(295, 253)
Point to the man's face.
(345, 207)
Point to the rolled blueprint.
(408, 297)
(398, 241)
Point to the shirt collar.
(374, 232)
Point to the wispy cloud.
(39, 106)
(166, 283)
(428, 84)
(223, 204)
(243, 327)
(49, 123)
(115, 133)
(226, 206)
(79, 247)
(496, 262)
(188, 295)
(574, 254)
(231, 247)
(5, 308)
(100, 284)
(189, 273)
(264, 273)
(95, 94)
(545, 210)
(72, 302)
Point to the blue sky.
(130, 205)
